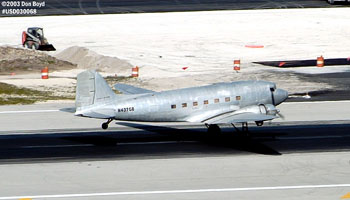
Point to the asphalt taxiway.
(46, 152)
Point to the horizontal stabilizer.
(128, 89)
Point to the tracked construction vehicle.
(34, 38)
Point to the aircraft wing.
(128, 89)
(246, 114)
(240, 118)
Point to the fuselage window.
(217, 100)
(173, 106)
(184, 105)
(195, 103)
(206, 102)
(238, 98)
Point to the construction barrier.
(237, 65)
(135, 72)
(45, 73)
(320, 61)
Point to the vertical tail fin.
(92, 89)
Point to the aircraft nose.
(280, 96)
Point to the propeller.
(274, 111)
(280, 115)
(272, 96)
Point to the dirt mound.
(20, 60)
(87, 59)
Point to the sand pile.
(20, 60)
(87, 59)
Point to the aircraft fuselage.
(194, 104)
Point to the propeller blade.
(281, 116)
(272, 96)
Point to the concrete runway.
(46, 153)
(69, 7)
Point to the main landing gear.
(105, 125)
(244, 127)
(214, 129)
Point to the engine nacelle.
(268, 109)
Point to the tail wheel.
(105, 126)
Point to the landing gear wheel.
(105, 125)
(259, 123)
(213, 129)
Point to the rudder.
(92, 89)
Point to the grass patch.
(10, 94)
(7, 89)
(15, 100)
(51, 62)
(118, 78)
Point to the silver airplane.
(212, 105)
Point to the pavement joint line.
(177, 191)
(309, 137)
(166, 142)
(26, 111)
(55, 146)
(119, 144)
(309, 102)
